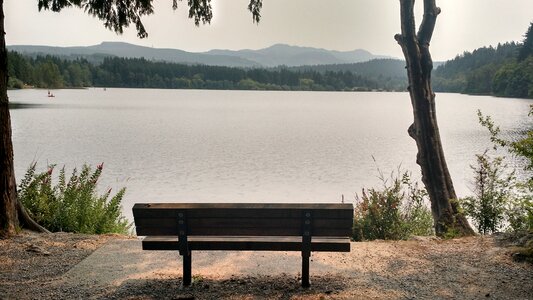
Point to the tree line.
(505, 70)
(56, 72)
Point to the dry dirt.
(74, 266)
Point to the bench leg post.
(305, 270)
(187, 266)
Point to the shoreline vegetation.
(52, 72)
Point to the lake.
(245, 146)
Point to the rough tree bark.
(424, 130)
(8, 219)
(12, 212)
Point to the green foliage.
(451, 233)
(396, 211)
(15, 83)
(72, 205)
(518, 211)
(473, 73)
(526, 49)
(49, 71)
(493, 191)
(514, 79)
(506, 71)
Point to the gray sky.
(331, 24)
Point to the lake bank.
(65, 266)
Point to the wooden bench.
(244, 226)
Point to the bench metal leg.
(187, 266)
(305, 270)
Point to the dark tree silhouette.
(527, 47)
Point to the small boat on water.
(50, 95)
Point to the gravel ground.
(73, 266)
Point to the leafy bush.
(397, 211)
(518, 212)
(493, 191)
(73, 205)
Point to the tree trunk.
(8, 213)
(424, 130)
(10, 209)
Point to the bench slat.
(166, 210)
(245, 222)
(249, 231)
(247, 243)
(221, 205)
(168, 222)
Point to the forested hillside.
(54, 72)
(505, 70)
(389, 73)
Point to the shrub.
(396, 211)
(519, 210)
(72, 205)
(493, 194)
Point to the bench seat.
(248, 243)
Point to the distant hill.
(389, 73)
(275, 55)
(373, 68)
(118, 49)
(281, 54)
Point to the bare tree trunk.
(424, 130)
(11, 210)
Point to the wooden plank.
(170, 210)
(240, 213)
(245, 205)
(248, 243)
(244, 222)
(256, 231)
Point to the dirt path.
(64, 266)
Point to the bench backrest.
(243, 219)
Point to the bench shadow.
(281, 286)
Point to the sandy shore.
(73, 266)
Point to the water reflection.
(16, 105)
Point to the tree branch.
(425, 32)
(408, 20)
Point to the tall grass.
(72, 205)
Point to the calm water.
(244, 146)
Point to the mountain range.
(276, 55)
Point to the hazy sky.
(331, 24)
